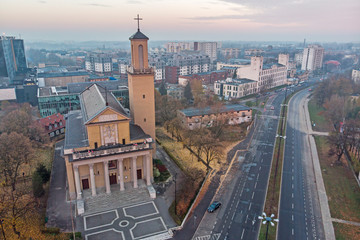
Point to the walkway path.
(324, 205)
(346, 222)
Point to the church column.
(121, 173)
(134, 174)
(92, 179)
(106, 176)
(148, 172)
(77, 182)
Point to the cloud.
(222, 17)
(134, 2)
(96, 5)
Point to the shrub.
(156, 172)
(161, 168)
(43, 172)
(37, 185)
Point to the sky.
(177, 20)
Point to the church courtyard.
(137, 221)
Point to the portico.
(137, 166)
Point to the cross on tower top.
(138, 20)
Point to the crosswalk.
(215, 236)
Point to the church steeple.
(139, 49)
(141, 84)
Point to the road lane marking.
(253, 195)
(242, 235)
(250, 206)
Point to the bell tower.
(141, 84)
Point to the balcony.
(132, 70)
(110, 151)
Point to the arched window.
(141, 57)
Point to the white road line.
(292, 186)
(250, 206)
(255, 185)
(253, 195)
(292, 217)
(292, 232)
(242, 235)
(292, 206)
(292, 195)
(233, 216)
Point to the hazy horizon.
(211, 20)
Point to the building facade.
(104, 145)
(176, 47)
(61, 78)
(208, 48)
(54, 125)
(205, 77)
(312, 58)
(235, 88)
(355, 75)
(12, 58)
(98, 63)
(194, 118)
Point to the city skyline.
(234, 20)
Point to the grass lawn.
(346, 231)
(317, 117)
(341, 187)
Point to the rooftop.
(7, 94)
(95, 99)
(62, 74)
(138, 35)
(75, 134)
(191, 112)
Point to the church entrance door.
(113, 178)
(138, 172)
(85, 183)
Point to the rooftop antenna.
(138, 21)
(106, 100)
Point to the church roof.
(95, 99)
(138, 35)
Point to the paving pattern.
(139, 221)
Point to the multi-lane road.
(299, 204)
(244, 191)
(244, 198)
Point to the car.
(215, 205)
(310, 89)
(272, 108)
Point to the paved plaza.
(138, 221)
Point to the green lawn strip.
(317, 117)
(341, 187)
(346, 231)
(274, 185)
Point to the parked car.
(272, 108)
(215, 205)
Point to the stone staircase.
(116, 199)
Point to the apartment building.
(312, 58)
(99, 63)
(235, 88)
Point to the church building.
(104, 145)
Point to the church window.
(96, 145)
(144, 96)
(123, 141)
(141, 57)
(144, 119)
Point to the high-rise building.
(12, 59)
(209, 48)
(312, 57)
(98, 63)
(175, 47)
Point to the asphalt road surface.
(299, 205)
(239, 217)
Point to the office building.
(312, 58)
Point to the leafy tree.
(187, 92)
(15, 151)
(43, 173)
(162, 89)
(37, 184)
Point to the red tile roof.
(52, 119)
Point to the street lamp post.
(268, 220)
(175, 192)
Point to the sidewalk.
(324, 205)
(58, 210)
